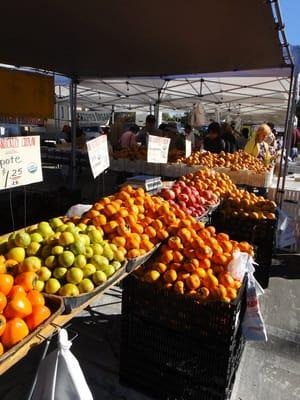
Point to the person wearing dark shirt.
(228, 137)
(149, 129)
(213, 141)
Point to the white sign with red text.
(158, 149)
(98, 154)
(20, 161)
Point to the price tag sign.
(98, 155)
(20, 161)
(188, 147)
(158, 149)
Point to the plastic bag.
(285, 236)
(253, 325)
(78, 210)
(60, 376)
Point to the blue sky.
(290, 10)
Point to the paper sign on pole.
(98, 155)
(188, 147)
(158, 149)
(20, 161)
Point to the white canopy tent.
(254, 95)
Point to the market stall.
(188, 268)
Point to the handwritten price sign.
(158, 149)
(98, 155)
(20, 161)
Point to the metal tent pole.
(112, 115)
(156, 108)
(73, 106)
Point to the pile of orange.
(135, 221)
(140, 153)
(195, 262)
(235, 161)
(22, 308)
(237, 202)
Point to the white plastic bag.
(60, 376)
(78, 210)
(253, 325)
(285, 235)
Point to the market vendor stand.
(153, 60)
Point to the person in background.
(66, 130)
(213, 141)
(295, 142)
(170, 131)
(189, 134)
(243, 138)
(128, 138)
(149, 129)
(228, 137)
(257, 145)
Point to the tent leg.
(283, 167)
(73, 106)
(156, 109)
(112, 115)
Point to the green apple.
(97, 249)
(31, 264)
(36, 237)
(52, 286)
(86, 286)
(38, 285)
(82, 227)
(70, 224)
(86, 238)
(109, 270)
(113, 247)
(90, 228)
(107, 252)
(57, 250)
(119, 255)
(60, 272)
(99, 277)
(88, 252)
(78, 247)
(17, 254)
(69, 289)
(56, 222)
(95, 235)
(61, 228)
(22, 239)
(116, 264)
(74, 275)
(50, 262)
(80, 261)
(45, 229)
(66, 259)
(46, 251)
(99, 261)
(88, 270)
(66, 238)
(44, 274)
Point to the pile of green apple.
(68, 259)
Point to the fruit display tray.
(56, 306)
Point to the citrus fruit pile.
(22, 308)
(134, 220)
(235, 161)
(195, 262)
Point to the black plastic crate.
(209, 322)
(259, 233)
(169, 365)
